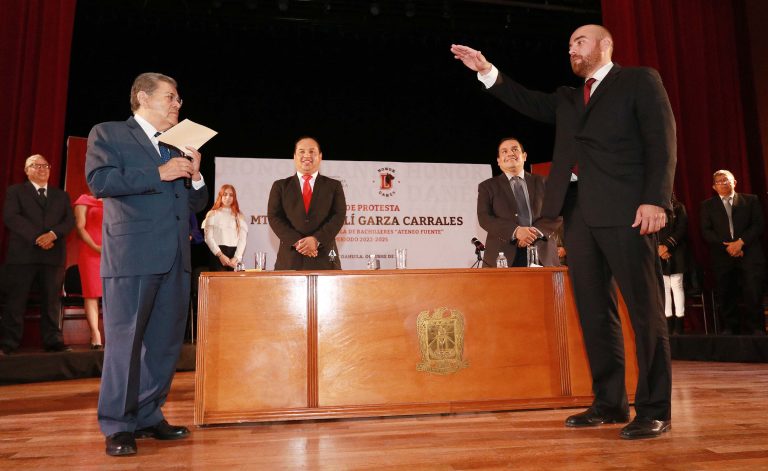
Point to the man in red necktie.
(620, 131)
(306, 211)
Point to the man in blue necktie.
(145, 261)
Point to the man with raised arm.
(617, 132)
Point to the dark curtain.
(695, 46)
(35, 40)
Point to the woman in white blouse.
(225, 231)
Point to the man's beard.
(587, 64)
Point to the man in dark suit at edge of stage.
(732, 225)
(38, 218)
(619, 131)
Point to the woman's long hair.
(235, 208)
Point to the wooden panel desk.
(301, 345)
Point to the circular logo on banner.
(387, 181)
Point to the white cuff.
(199, 183)
(490, 78)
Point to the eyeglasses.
(725, 182)
(175, 98)
(40, 166)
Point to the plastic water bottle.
(501, 261)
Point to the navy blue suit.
(145, 266)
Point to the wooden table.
(314, 345)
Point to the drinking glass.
(401, 256)
(261, 261)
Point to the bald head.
(590, 48)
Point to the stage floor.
(719, 422)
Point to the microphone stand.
(479, 262)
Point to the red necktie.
(588, 89)
(306, 192)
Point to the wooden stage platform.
(718, 423)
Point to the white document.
(187, 133)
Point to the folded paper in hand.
(187, 133)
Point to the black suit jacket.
(497, 212)
(27, 218)
(623, 142)
(748, 226)
(289, 221)
(674, 235)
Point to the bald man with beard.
(618, 129)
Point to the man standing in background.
(732, 224)
(38, 218)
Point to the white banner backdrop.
(428, 209)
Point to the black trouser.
(19, 282)
(214, 264)
(747, 280)
(596, 257)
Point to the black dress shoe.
(162, 431)
(58, 347)
(643, 427)
(121, 444)
(591, 418)
(97, 346)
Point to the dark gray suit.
(27, 218)
(290, 222)
(734, 274)
(624, 144)
(497, 212)
(145, 266)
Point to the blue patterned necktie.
(165, 151)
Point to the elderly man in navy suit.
(38, 218)
(619, 130)
(145, 260)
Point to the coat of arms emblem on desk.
(441, 341)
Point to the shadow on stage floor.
(727, 348)
(35, 365)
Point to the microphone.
(478, 245)
(187, 180)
